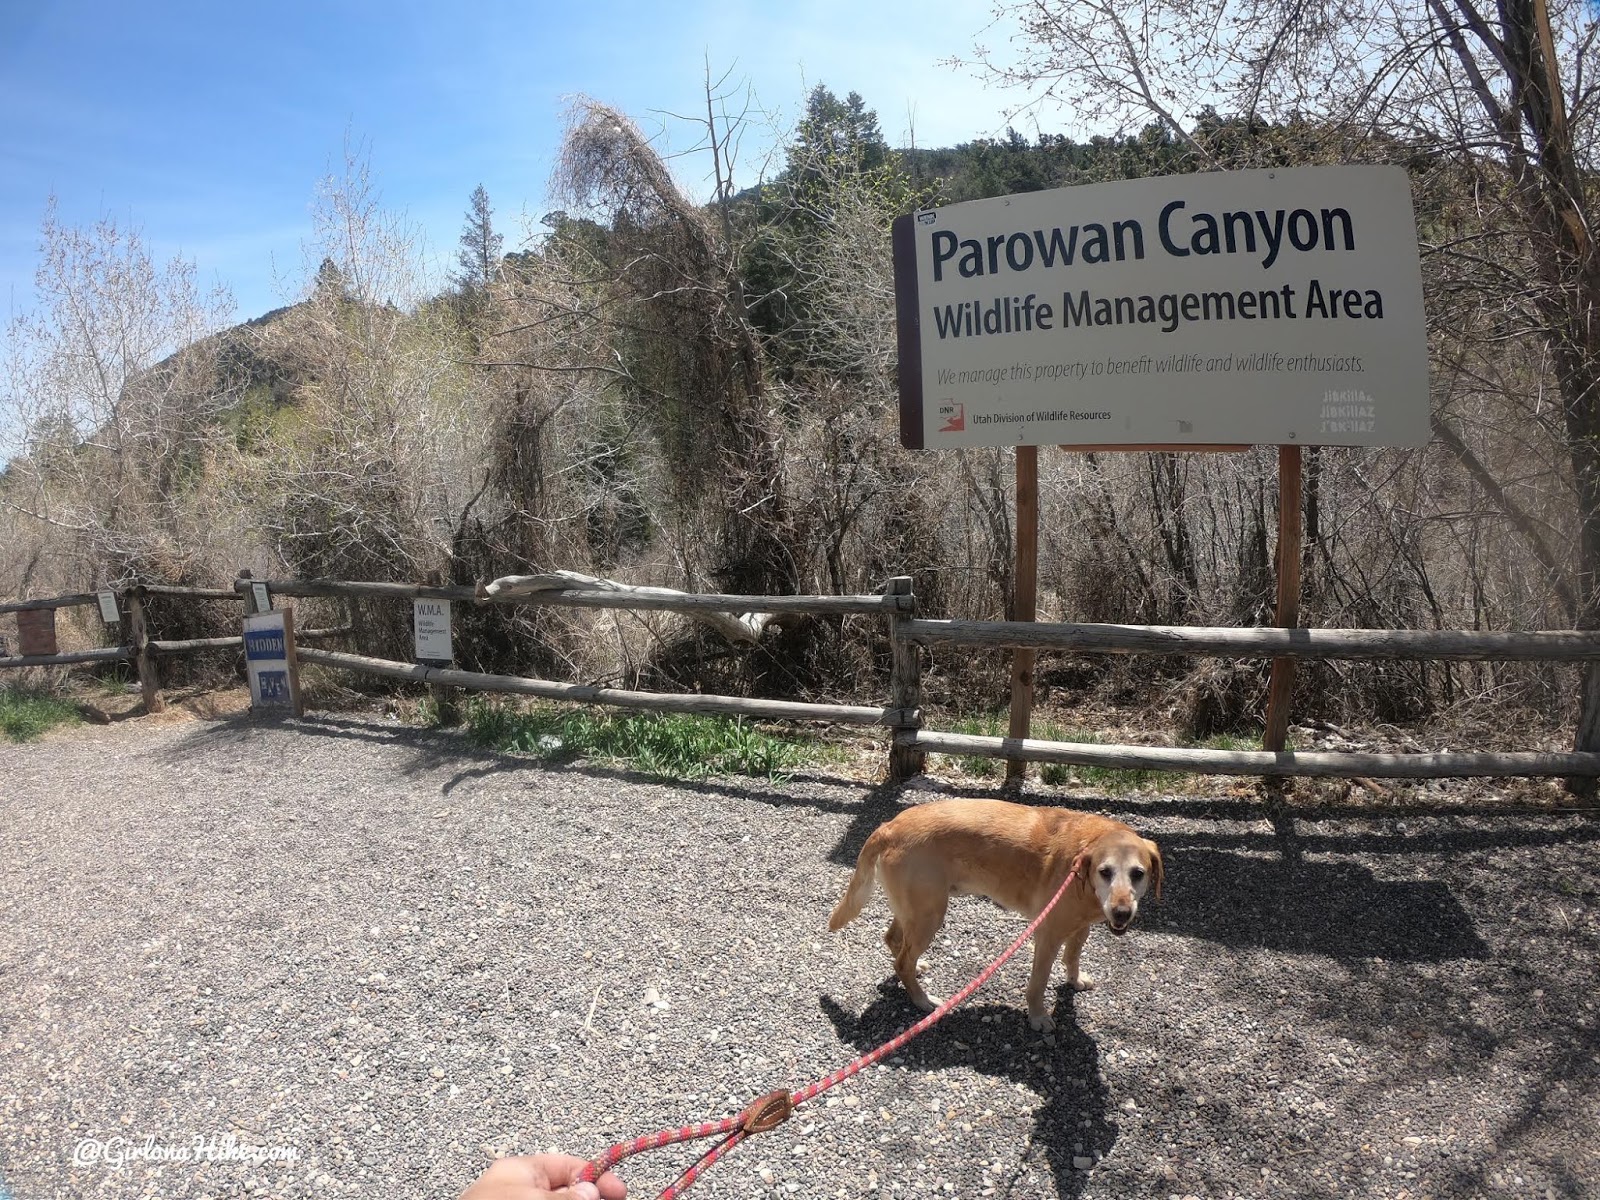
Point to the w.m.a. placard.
(271, 664)
(1252, 307)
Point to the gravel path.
(394, 956)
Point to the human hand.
(542, 1177)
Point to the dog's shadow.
(1072, 1122)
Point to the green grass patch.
(1056, 775)
(1234, 741)
(1112, 780)
(1230, 741)
(114, 680)
(1119, 780)
(668, 745)
(981, 766)
(25, 713)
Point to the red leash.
(774, 1108)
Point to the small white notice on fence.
(270, 661)
(108, 607)
(432, 624)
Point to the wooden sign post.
(143, 660)
(1026, 580)
(1287, 615)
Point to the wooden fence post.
(246, 593)
(905, 688)
(1586, 739)
(144, 660)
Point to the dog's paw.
(1083, 983)
(1043, 1022)
(926, 1002)
(922, 966)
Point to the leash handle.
(760, 1115)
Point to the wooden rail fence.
(908, 634)
(140, 649)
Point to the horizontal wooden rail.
(762, 710)
(578, 598)
(339, 587)
(86, 598)
(713, 603)
(11, 606)
(1260, 642)
(184, 645)
(192, 593)
(105, 654)
(1261, 762)
(317, 635)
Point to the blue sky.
(209, 125)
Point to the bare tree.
(386, 449)
(112, 396)
(669, 295)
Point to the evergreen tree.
(331, 285)
(818, 222)
(835, 133)
(479, 258)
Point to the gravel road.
(387, 956)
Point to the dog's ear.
(1080, 867)
(1157, 871)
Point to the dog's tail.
(860, 890)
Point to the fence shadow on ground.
(1074, 1119)
(434, 748)
(1339, 909)
(1286, 888)
(430, 749)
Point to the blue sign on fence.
(262, 645)
(270, 661)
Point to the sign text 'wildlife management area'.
(1264, 307)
